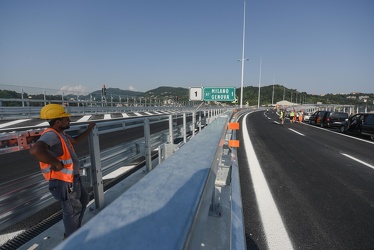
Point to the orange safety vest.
(65, 174)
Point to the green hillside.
(268, 95)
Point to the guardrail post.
(147, 144)
(199, 121)
(96, 172)
(193, 123)
(184, 128)
(171, 136)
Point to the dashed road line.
(13, 123)
(275, 231)
(43, 124)
(296, 132)
(355, 159)
(84, 118)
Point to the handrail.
(112, 159)
(11, 112)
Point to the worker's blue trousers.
(73, 198)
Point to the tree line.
(268, 95)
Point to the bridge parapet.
(169, 207)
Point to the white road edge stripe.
(355, 159)
(275, 231)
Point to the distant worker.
(281, 116)
(301, 114)
(292, 115)
(60, 165)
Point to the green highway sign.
(219, 94)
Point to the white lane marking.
(125, 115)
(118, 172)
(84, 118)
(355, 159)
(296, 132)
(107, 116)
(275, 231)
(12, 123)
(43, 124)
(137, 114)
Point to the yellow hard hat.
(53, 111)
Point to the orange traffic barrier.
(234, 143)
(233, 125)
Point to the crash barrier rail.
(169, 207)
(23, 196)
(7, 113)
(20, 140)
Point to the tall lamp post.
(259, 85)
(241, 85)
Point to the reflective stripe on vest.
(67, 173)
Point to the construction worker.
(281, 116)
(292, 115)
(60, 165)
(301, 114)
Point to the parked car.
(330, 119)
(362, 123)
(337, 120)
(306, 117)
(317, 117)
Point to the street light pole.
(259, 85)
(272, 96)
(241, 85)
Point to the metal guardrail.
(22, 197)
(7, 113)
(168, 208)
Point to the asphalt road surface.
(306, 187)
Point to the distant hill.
(117, 91)
(269, 94)
(168, 91)
(250, 95)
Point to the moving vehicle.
(362, 123)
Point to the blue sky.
(316, 46)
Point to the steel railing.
(23, 196)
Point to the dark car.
(362, 123)
(317, 117)
(337, 120)
(330, 119)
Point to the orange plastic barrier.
(234, 143)
(233, 125)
